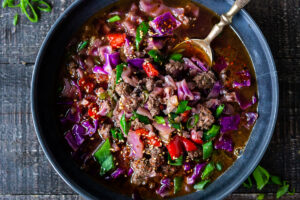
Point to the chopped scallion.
(114, 19)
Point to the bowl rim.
(77, 188)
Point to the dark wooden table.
(25, 172)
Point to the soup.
(144, 120)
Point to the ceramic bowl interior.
(43, 102)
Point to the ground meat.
(168, 170)
(136, 124)
(193, 155)
(206, 118)
(205, 80)
(157, 159)
(123, 89)
(128, 103)
(149, 83)
(153, 105)
(174, 68)
(142, 172)
(104, 131)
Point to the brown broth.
(228, 44)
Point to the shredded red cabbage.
(196, 173)
(215, 91)
(71, 141)
(229, 123)
(164, 24)
(243, 102)
(183, 91)
(251, 117)
(224, 143)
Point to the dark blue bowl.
(43, 102)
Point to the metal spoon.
(202, 47)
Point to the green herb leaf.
(107, 165)
(276, 180)
(124, 124)
(4, 3)
(160, 119)
(212, 132)
(141, 32)
(282, 190)
(261, 177)
(260, 197)
(176, 57)
(104, 157)
(119, 71)
(208, 170)
(207, 149)
(219, 166)
(178, 180)
(249, 184)
(114, 19)
(82, 45)
(156, 56)
(114, 133)
(16, 17)
(219, 110)
(141, 118)
(176, 162)
(293, 192)
(192, 121)
(172, 122)
(182, 107)
(201, 185)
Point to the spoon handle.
(226, 19)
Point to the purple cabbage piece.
(196, 173)
(114, 59)
(130, 172)
(215, 91)
(224, 143)
(153, 43)
(137, 62)
(71, 117)
(104, 108)
(71, 141)
(111, 61)
(220, 64)
(251, 118)
(200, 64)
(105, 50)
(117, 173)
(77, 88)
(243, 102)
(230, 123)
(187, 166)
(163, 191)
(90, 128)
(244, 83)
(78, 131)
(183, 91)
(166, 181)
(197, 96)
(191, 65)
(165, 24)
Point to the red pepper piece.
(116, 40)
(89, 87)
(185, 115)
(150, 69)
(188, 145)
(152, 140)
(196, 137)
(93, 111)
(175, 147)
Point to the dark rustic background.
(25, 172)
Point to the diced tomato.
(93, 111)
(175, 147)
(142, 132)
(188, 145)
(89, 87)
(150, 69)
(196, 137)
(81, 82)
(116, 40)
(153, 140)
(185, 116)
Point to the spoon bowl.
(202, 48)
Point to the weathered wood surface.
(25, 172)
